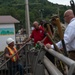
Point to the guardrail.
(25, 48)
(50, 67)
(42, 63)
(66, 60)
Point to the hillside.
(38, 9)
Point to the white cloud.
(63, 2)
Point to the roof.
(8, 19)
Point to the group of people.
(39, 34)
(69, 35)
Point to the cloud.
(63, 2)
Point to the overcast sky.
(63, 2)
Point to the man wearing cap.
(13, 64)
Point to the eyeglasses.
(66, 16)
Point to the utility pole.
(58, 11)
(27, 18)
(41, 12)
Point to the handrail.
(60, 56)
(51, 68)
(1, 54)
(64, 59)
(69, 62)
(13, 56)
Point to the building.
(7, 29)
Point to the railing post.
(38, 66)
(71, 70)
(64, 59)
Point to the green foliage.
(16, 8)
(37, 46)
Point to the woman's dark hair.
(42, 22)
(51, 27)
(53, 18)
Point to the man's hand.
(48, 46)
(38, 42)
(8, 56)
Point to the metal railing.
(69, 62)
(42, 63)
(37, 62)
(23, 52)
(50, 67)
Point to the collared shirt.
(37, 34)
(69, 37)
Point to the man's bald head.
(68, 11)
(36, 24)
(68, 15)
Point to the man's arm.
(6, 54)
(27, 40)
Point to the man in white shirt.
(69, 35)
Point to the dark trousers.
(50, 57)
(71, 55)
(13, 69)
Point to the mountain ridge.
(38, 9)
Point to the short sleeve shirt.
(37, 34)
